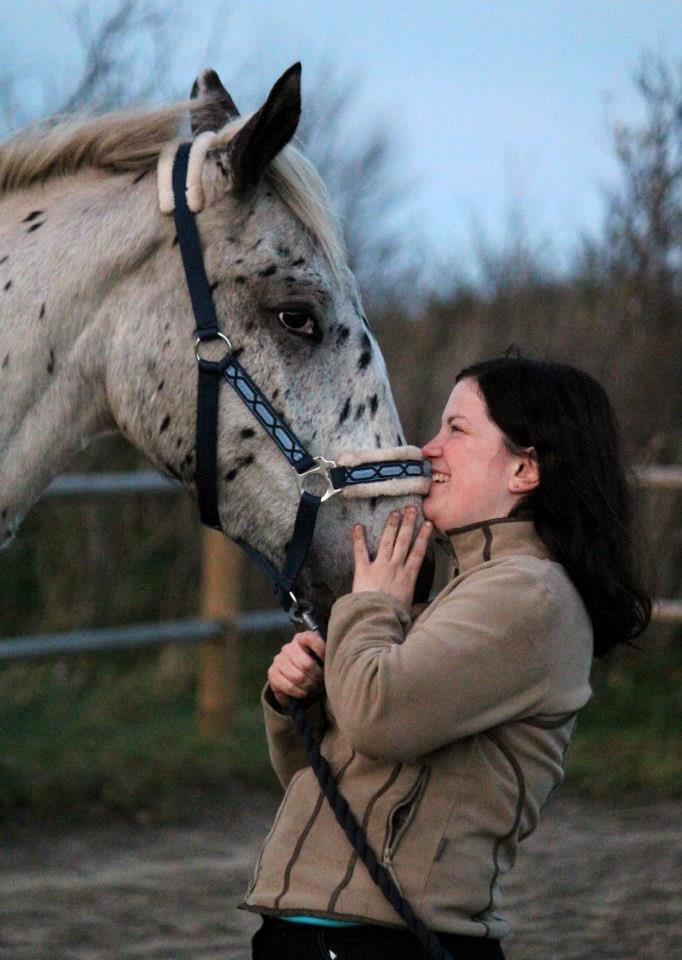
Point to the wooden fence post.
(219, 659)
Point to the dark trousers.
(280, 940)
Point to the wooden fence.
(221, 623)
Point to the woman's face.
(475, 477)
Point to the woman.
(447, 727)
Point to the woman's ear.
(527, 472)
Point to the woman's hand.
(396, 566)
(294, 672)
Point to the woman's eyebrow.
(456, 416)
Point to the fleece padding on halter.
(194, 190)
(402, 472)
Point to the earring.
(515, 485)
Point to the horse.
(96, 330)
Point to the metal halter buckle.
(301, 612)
(321, 469)
(207, 340)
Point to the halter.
(394, 472)
(388, 473)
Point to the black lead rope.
(210, 376)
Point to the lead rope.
(350, 826)
(210, 375)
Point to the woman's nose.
(431, 449)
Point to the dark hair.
(582, 506)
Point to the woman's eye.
(297, 321)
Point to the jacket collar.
(491, 539)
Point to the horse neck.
(56, 279)
(67, 244)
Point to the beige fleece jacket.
(446, 735)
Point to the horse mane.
(129, 141)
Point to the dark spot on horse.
(34, 226)
(345, 411)
(377, 441)
(33, 215)
(373, 503)
(268, 271)
(365, 358)
(213, 286)
(400, 441)
(5, 361)
(250, 325)
(166, 327)
(373, 404)
(297, 263)
(164, 424)
(178, 442)
(240, 279)
(140, 176)
(360, 411)
(283, 251)
(238, 352)
(275, 393)
(290, 279)
(42, 312)
(239, 260)
(256, 243)
(175, 241)
(166, 343)
(268, 193)
(173, 472)
(4, 259)
(50, 363)
(188, 459)
(247, 460)
(231, 474)
(8, 285)
(247, 432)
(160, 386)
(343, 335)
(365, 342)
(232, 240)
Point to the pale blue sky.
(494, 102)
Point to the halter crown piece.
(363, 473)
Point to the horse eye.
(297, 321)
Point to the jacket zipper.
(408, 804)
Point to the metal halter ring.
(321, 469)
(206, 339)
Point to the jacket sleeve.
(478, 659)
(285, 746)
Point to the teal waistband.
(321, 921)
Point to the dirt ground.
(595, 881)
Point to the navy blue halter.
(211, 374)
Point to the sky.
(495, 105)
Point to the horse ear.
(214, 106)
(266, 132)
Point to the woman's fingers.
(404, 537)
(418, 551)
(388, 536)
(360, 555)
